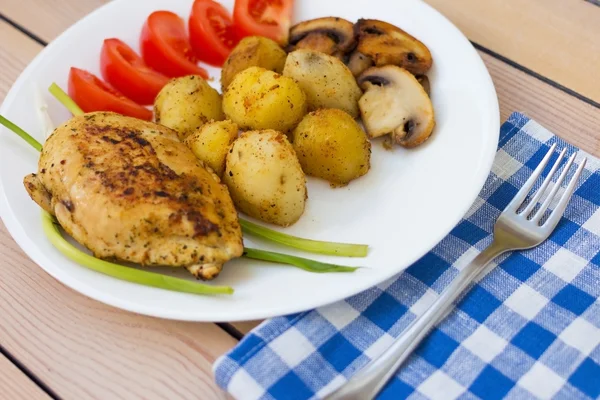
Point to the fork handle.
(367, 383)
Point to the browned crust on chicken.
(130, 190)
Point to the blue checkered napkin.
(530, 329)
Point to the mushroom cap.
(395, 102)
(358, 63)
(329, 35)
(387, 44)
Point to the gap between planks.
(81, 348)
(575, 121)
(16, 385)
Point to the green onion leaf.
(303, 263)
(121, 272)
(65, 100)
(311, 246)
(24, 135)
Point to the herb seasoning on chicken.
(130, 190)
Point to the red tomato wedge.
(91, 94)
(269, 18)
(166, 48)
(127, 72)
(211, 32)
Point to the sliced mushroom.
(395, 102)
(387, 44)
(424, 81)
(358, 63)
(329, 35)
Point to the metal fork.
(520, 226)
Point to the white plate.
(405, 205)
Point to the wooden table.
(544, 58)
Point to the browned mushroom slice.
(424, 81)
(395, 102)
(358, 63)
(387, 44)
(329, 35)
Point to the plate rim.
(16, 230)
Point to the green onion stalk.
(51, 229)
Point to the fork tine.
(522, 193)
(542, 188)
(559, 210)
(557, 185)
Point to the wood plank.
(47, 18)
(15, 385)
(79, 347)
(559, 39)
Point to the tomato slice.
(211, 32)
(92, 94)
(127, 72)
(166, 48)
(269, 18)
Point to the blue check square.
(479, 303)
(491, 384)
(519, 317)
(587, 378)
(573, 299)
(533, 339)
(341, 350)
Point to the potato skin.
(187, 103)
(211, 143)
(327, 82)
(262, 99)
(252, 51)
(264, 177)
(331, 145)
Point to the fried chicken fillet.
(130, 190)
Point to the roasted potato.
(264, 177)
(253, 51)
(262, 99)
(187, 103)
(331, 145)
(327, 82)
(211, 142)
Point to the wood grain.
(15, 385)
(47, 18)
(559, 39)
(81, 348)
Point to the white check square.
(485, 344)
(292, 347)
(440, 386)
(593, 223)
(243, 385)
(424, 302)
(581, 335)
(526, 302)
(339, 314)
(380, 345)
(541, 381)
(565, 264)
(505, 165)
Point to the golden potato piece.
(187, 103)
(327, 82)
(264, 177)
(331, 145)
(211, 142)
(262, 99)
(252, 51)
